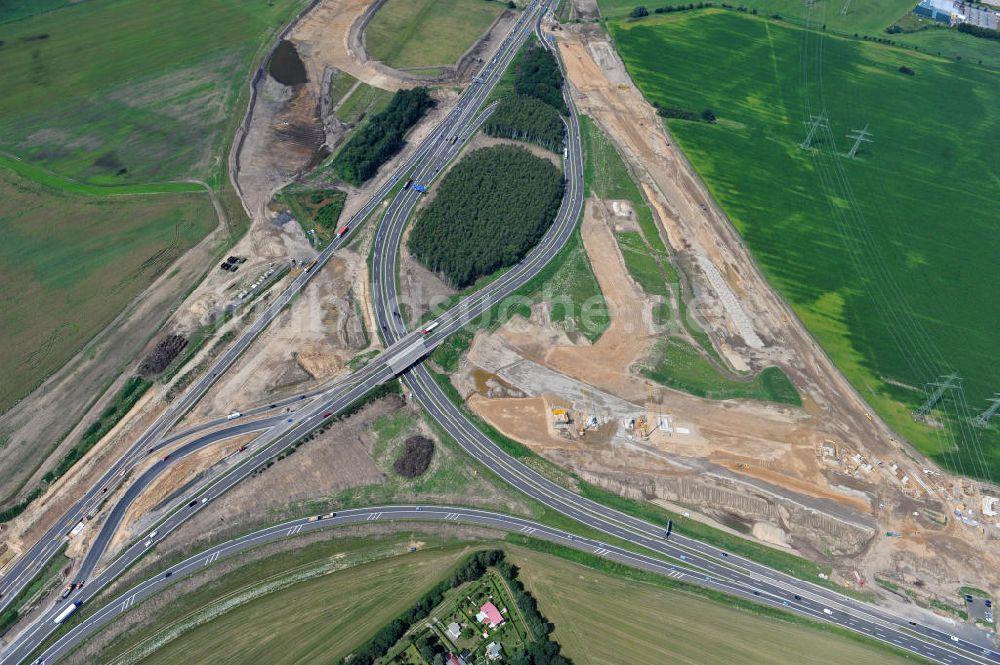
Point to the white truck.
(67, 611)
(234, 415)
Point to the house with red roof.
(490, 615)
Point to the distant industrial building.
(952, 13)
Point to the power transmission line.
(941, 387)
(815, 122)
(983, 419)
(858, 136)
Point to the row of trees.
(382, 136)
(708, 115)
(489, 211)
(978, 31)
(537, 75)
(527, 119)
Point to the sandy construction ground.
(782, 449)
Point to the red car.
(328, 414)
(242, 448)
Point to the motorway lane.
(856, 615)
(627, 533)
(30, 563)
(370, 376)
(437, 514)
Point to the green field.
(364, 101)
(153, 96)
(864, 16)
(69, 263)
(342, 590)
(887, 258)
(675, 363)
(605, 619)
(340, 84)
(423, 33)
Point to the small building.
(989, 503)
(493, 651)
(454, 630)
(490, 615)
(455, 660)
(938, 10)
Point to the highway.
(425, 514)
(850, 613)
(34, 559)
(436, 150)
(735, 574)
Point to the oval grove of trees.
(488, 212)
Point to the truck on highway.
(430, 327)
(311, 265)
(67, 611)
(234, 415)
(341, 232)
(406, 185)
(420, 188)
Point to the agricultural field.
(422, 33)
(602, 618)
(864, 16)
(153, 97)
(70, 262)
(342, 589)
(888, 257)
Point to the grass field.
(864, 16)
(423, 33)
(677, 364)
(342, 591)
(887, 258)
(365, 100)
(605, 619)
(151, 98)
(340, 84)
(69, 263)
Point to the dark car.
(193, 504)
(988, 603)
(968, 597)
(168, 574)
(798, 597)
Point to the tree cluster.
(903, 69)
(526, 119)
(416, 457)
(540, 649)
(639, 12)
(978, 31)
(708, 115)
(489, 211)
(382, 136)
(470, 569)
(537, 75)
(669, 9)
